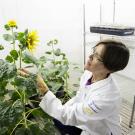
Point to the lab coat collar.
(100, 83)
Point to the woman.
(95, 108)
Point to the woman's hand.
(43, 88)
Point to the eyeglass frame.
(98, 57)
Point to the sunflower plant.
(22, 40)
(19, 111)
(19, 97)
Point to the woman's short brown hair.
(116, 55)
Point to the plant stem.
(25, 120)
(20, 58)
(34, 101)
(30, 111)
(53, 54)
(66, 82)
(13, 38)
(16, 126)
(24, 113)
(17, 92)
(13, 41)
(32, 123)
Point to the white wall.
(61, 19)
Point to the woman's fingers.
(43, 88)
(23, 73)
(41, 84)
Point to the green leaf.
(42, 58)
(55, 41)
(19, 81)
(8, 37)
(50, 43)
(3, 85)
(57, 62)
(29, 58)
(9, 59)
(10, 112)
(26, 32)
(42, 61)
(57, 52)
(23, 131)
(63, 70)
(14, 54)
(14, 95)
(12, 71)
(7, 70)
(1, 47)
(48, 52)
(16, 35)
(63, 54)
(31, 130)
(20, 35)
(3, 130)
(7, 27)
(29, 84)
(22, 39)
(36, 130)
(57, 86)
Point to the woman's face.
(95, 61)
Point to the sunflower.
(12, 23)
(32, 40)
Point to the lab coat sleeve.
(75, 114)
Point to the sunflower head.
(32, 40)
(12, 23)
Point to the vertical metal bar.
(100, 13)
(100, 18)
(132, 115)
(84, 32)
(114, 4)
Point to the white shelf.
(127, 37)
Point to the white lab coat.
(94, 109)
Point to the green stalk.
(18, 92)
(35, 101)
(53, 54)
(16, 126)
(13, 38)
(32, 123)
(24, 113)
(13, 41)
(25, 120)
(30, 111)
(20, 58)
(66, 83)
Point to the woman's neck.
(98, 77)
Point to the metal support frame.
(84, 32)
(132, 114)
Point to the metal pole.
(84, 32)
(100, 18)
(114, 4)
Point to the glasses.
(95, 55)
